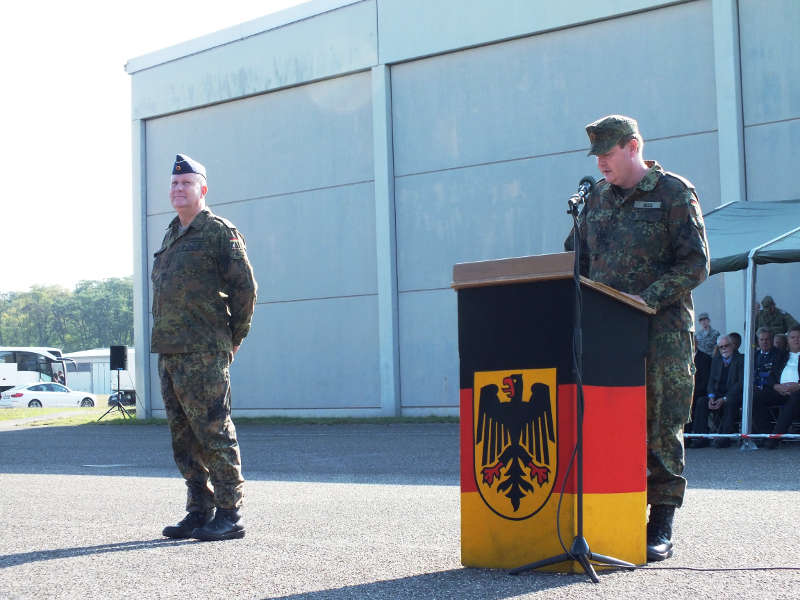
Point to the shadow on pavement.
(11, 560)
(402, 454)
(455, 583)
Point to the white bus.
(20, 365)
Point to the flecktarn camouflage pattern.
(204, 294)
(204, 291)
(652, 243)
(196, 390)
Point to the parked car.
(35, 395)
(124, 397)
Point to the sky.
(65, 151)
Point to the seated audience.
(724, 394)
(782, 390)
(706, 336)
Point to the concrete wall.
(365, 147)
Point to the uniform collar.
(646, 183)
(198, 221)
(650, 179)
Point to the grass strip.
(67, 417)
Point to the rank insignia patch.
(237, 247)
(515, 441)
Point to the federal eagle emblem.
(515, 440)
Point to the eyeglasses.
(724, 345)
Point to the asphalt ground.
(348, 511)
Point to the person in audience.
(724, 393)
(773, 318)
(782, 390)
(736, 339)
(780, 342)
(765, 358)
(706, 335)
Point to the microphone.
(585, 187)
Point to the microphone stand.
(579, 550)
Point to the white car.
(35, 395)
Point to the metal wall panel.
(770, 55)
(429, 351)
(709, 297)
(490, 211)
(156, 401)
(531, 97)
(772, 159)
(313, 355)
(326, 45)
(695, 157)
(304, 138)
(318, 244)
(770, 96)
(446, 25)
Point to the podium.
(518, 414)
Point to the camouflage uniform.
(776, 320)
(707, 340)
(652, 243)
(203, 299)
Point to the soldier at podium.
(641, 232)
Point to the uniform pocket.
(650, 215)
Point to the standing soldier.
(706, 337)
(203, 299)
(642, 233)
(773, 318)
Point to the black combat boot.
(227, 525)
(659, 532)
(190, 522)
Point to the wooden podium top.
(524, 269)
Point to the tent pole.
(747, 342)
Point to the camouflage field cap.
(606, 132)
(703, 315)
(186, 164)
(768, 301)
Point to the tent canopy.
(736, 228)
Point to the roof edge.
(241, 31)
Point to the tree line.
(95, 314)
